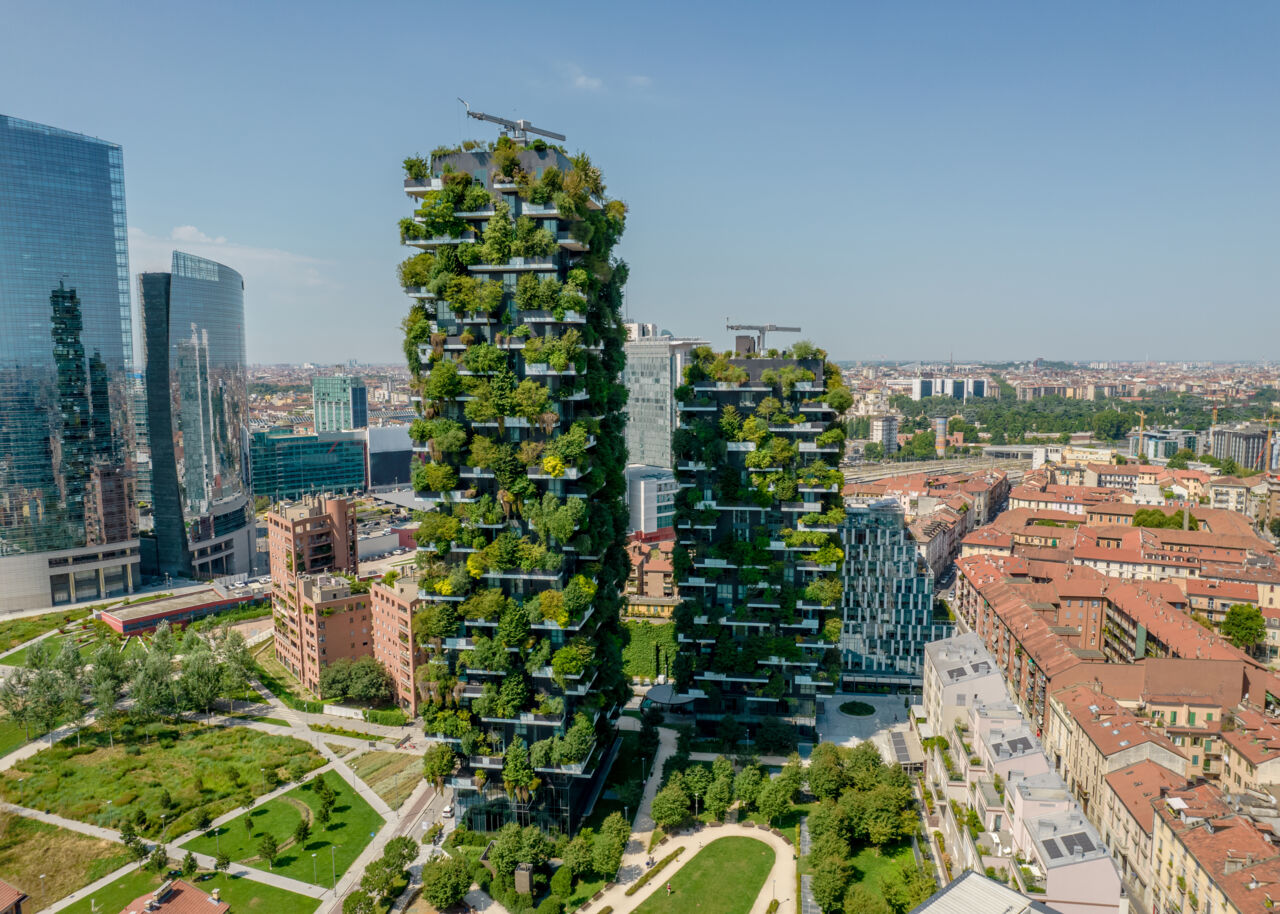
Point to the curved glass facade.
(193, 332)
(66, 463)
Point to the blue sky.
(903, 180)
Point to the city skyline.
(975, 170)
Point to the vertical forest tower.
(514, 339)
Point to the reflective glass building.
(196, 408)
(68, 516)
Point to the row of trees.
(382, 878)
(56, 685)
(694, 788)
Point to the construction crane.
(517, 130)
(760, 330)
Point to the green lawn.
(638, 655)
(214, 768)
(391, 775)
(872, 867)
(16, 631)
(348, 832)
(93, 639)
(857, 709)
(68, 860)
(244, 895)
(723, 878)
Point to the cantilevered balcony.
(436, 241)
(420, 187)
(515, 265)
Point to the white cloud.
(268, 266)
(639, 81)
(580, 80)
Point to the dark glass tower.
(68, 522)
(197, 404)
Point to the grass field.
(68, 860)
(348, 832)
(244, 895)
(723, 878)
(280, 682)
(16, 631)
(215, 768)
(872, 867)
(339, 750)
(638, 656)
(92, 639)
(391, 775)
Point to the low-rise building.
(958, 672)
(1251, 752)
(1125, 819)
(651, 584)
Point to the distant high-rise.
(654, 369)
(197, 407)
(339, 403)
(884, 431)
(68, 516)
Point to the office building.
(654, 369)
(884, 431)
(651, 499)
(339, 404)
(758, 555)
(887, 605)
(515, 344)
(1161, 443)
(284, 465)
(68, 517)
(957, 388)
(197, 408)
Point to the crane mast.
(760, 330)
(517, 130)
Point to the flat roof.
(189, 600)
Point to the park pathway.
(781, 878)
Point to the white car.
(446, 813)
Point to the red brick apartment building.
(322, 616)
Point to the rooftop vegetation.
(519, 431)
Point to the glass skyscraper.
(197, 407)
(68, 522)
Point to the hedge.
(653, 871)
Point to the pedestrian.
(668, 890)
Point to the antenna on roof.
(517, 130)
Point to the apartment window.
(1191, 718)
(1209, 717)
(1173, 717)
(1195, 760)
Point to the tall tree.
(200, 680)
(1244, 627)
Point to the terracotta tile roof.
(10, 896)
(1255, 737)
(1135, 785)
(181, 898)
(1108, 726)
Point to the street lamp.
(334, 866)
(315, 872)
(264, 779)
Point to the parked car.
(447, 812)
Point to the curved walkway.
(783, 873)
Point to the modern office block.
(68, 517)
(651, 499)
(887, 603)
(284, 465)
(515, 344)
(655, 366)
(758, 558)
(339, 404)
(197, 407)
